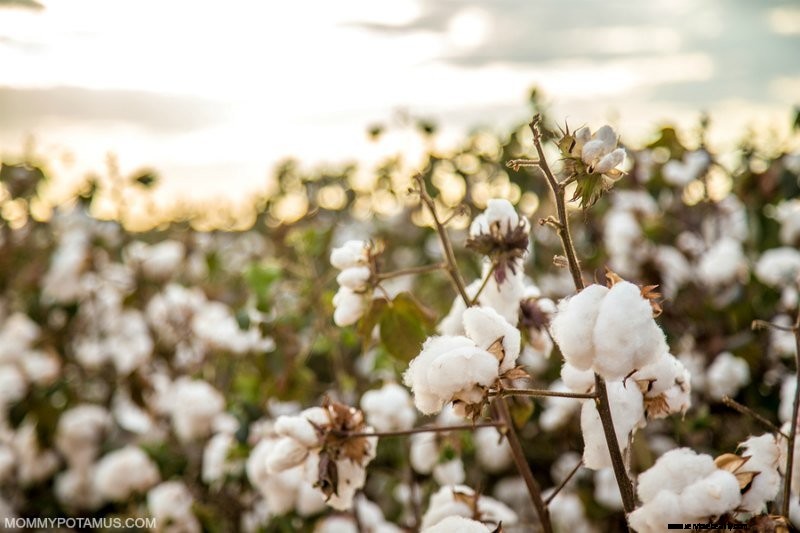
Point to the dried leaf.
(327, 475)
(730, 462)
(518, 372)
(650, 293)
(656, 405)
(612, 278)
(497, 350)
(470, 500)
(745, 480)
(645, 385)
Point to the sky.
(213, 94)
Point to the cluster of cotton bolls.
(352, 299)
(461, 368)
(462, 501)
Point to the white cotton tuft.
(389, 408)
(124, 472)
(193, 405)
(606, 489)
(573, 325)
(764, 454)
(449, 472)
(492, 450)
(451, 524)
(171, 503)
(651, 518)
(680, 173)
(349, 306)
(712, 496)
(444, 504)
(726, 375)
(723, 263)
(485, 326)
(625, 335)
(354, 278)
(350, 254)
(627, 412)
(779, 267)
(673, 472)
(498, 211)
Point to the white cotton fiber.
(485, 326)
(674, 471)
(627, 412)
(573, 325)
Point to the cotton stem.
(787, 479)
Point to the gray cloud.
(26, 108)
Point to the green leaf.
(371, 318)
(404, 327)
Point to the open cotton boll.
(498, 211)
(286, 453)
(651, 517)
(625, 335)
(80, 431)
(722, 264)
(193, 406)
(449, 368)
(627, 412)
(458, 523)
(424, 452)
(764, 454)
(779, 267)
(121, 473)
(444, 504)
(712, 496)
(577, 380)
(492, 450)
(349, 306)
(726, 375)
(170, 503)
(573, 325)
(301, 427)
(485, 326)
(449, 473)
(389, 408)
(350, 254)
(354, 278)
(673, 472)
(786, 406)
(568, 514)
(606, 490)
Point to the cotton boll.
(350, 254)
(625, 335)
(13, 385)
(712, 496)
(722, 264)
(788, 214)
(573, 325)
(664, 508)
(34, 465)
(123, 472)
(779, 267)
(485, 326)
(80, 431)
(492, 450)
(424, 452)
(764, 454)
(285, 454)
(606, 490)
(577, 380)
(787, 399)
(674, 471)
(351, 478)
(444, 504)
(216, 464)
(389, 408)
(354, 278)
(301, 427)
(73, 489)
(782, 343)
(627, 413)
(458, 523)
(170, 503)
(498, 211)
(449, 473)
(349, 307)
(568, 514)
(194, 404)
(726, 375)
(622, 236)
(675, 270)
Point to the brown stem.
(743, 409)
(444, 238)
(422, 429)
(544, 393)
(523, 467)
(787, 480)
(603, 405)
(563, 483)
(483, 284)
(413, 489)
(411, 271)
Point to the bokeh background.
(214, 95)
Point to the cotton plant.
(320, 435)
(592, 160)
(355, 260)
(461, 369)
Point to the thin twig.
(411, 271)
(422, 429)
(544, 393)
(483, 284)
(763, 324)
(743, 409)
(534, 490)
(787, 478)
(563, 483)
(444, 239)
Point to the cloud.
(27, 108)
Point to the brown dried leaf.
(745, 480)
(327, 476)
(497, 350)
(730, 462)
(656, 405)
(612, 278)
(518, 372)
(470, 500)
(650, 293)
(645, 385)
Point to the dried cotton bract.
(460, 369)
(610, 331)
(593, 158)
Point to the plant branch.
(483, 284)
(545, 393)
(563, 483)
(743, 409)
(603, 405)
(422, 429)
(534, 490)
(382, 276)
(444, 238)
(787, 479)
